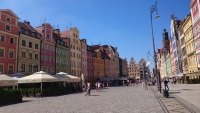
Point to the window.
(36, 56)
(28, 32)
(23, 54)
(7, 28)
(52, 60)
(2, 38)
(47, 35)
(34, 34)
(42, 57)
(35, 68)
(30, 68)
(23, 68)
(11, 54)
(22, 30)
(30, 55)
(1, 68)
(1, 52)
(12, 40)
(30, 44)
(8, 19)
(36, 46)
(23, 43)
(10, 71)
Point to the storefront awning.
(197, 73)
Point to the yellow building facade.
(189, 43)
(28, 50)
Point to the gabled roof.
(11, 12)
(192, 3)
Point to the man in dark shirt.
(166, 84)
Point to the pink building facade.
(89, 63)
(47, 48)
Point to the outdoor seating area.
(39, 84)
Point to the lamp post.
(153, 9)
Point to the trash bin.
(165, 93)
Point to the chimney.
(57, 31)
(27, 22)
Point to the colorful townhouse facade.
(28, 49)
(75, 50)
(133, 69)
(90, 65)
(172, 57)
(189, 42)
(195, 16)
(116, 60)
(84, 58)
(62, 63)
(106, 63)
(173, 28)
(98, 63)
(48, 55)
(182, 53)
(109, 51)
(8, 41)
(123, 67)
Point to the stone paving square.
(110, 100)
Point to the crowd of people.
(86, 87)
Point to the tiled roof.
(57, 37)
(26, 27)
(65, 34)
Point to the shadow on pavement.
(94, 95)
(173, 92)
(7, 104)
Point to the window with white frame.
(2, 38)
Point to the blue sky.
(121, 23)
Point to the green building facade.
(62, 55)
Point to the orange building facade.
(99, 68)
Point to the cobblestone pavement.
(110, 100)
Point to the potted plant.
(37, 92)
(31, 92)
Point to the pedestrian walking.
(127, 82)
(123, 83)
(107, 83)
(145, 85)
(136, 83)
(99, 86)
(166, 84)
(88, 89)
(96, 85)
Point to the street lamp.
(153, 9)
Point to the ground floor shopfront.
(192, 78)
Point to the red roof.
(65, 34)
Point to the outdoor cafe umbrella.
(69, 78)
(39, 77)
(7, 81)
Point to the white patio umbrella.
(63, 76)
(7, 81)
(83, 79)
(39, 77)
(69, 78)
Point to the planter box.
(38, 95)
(31, 95)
